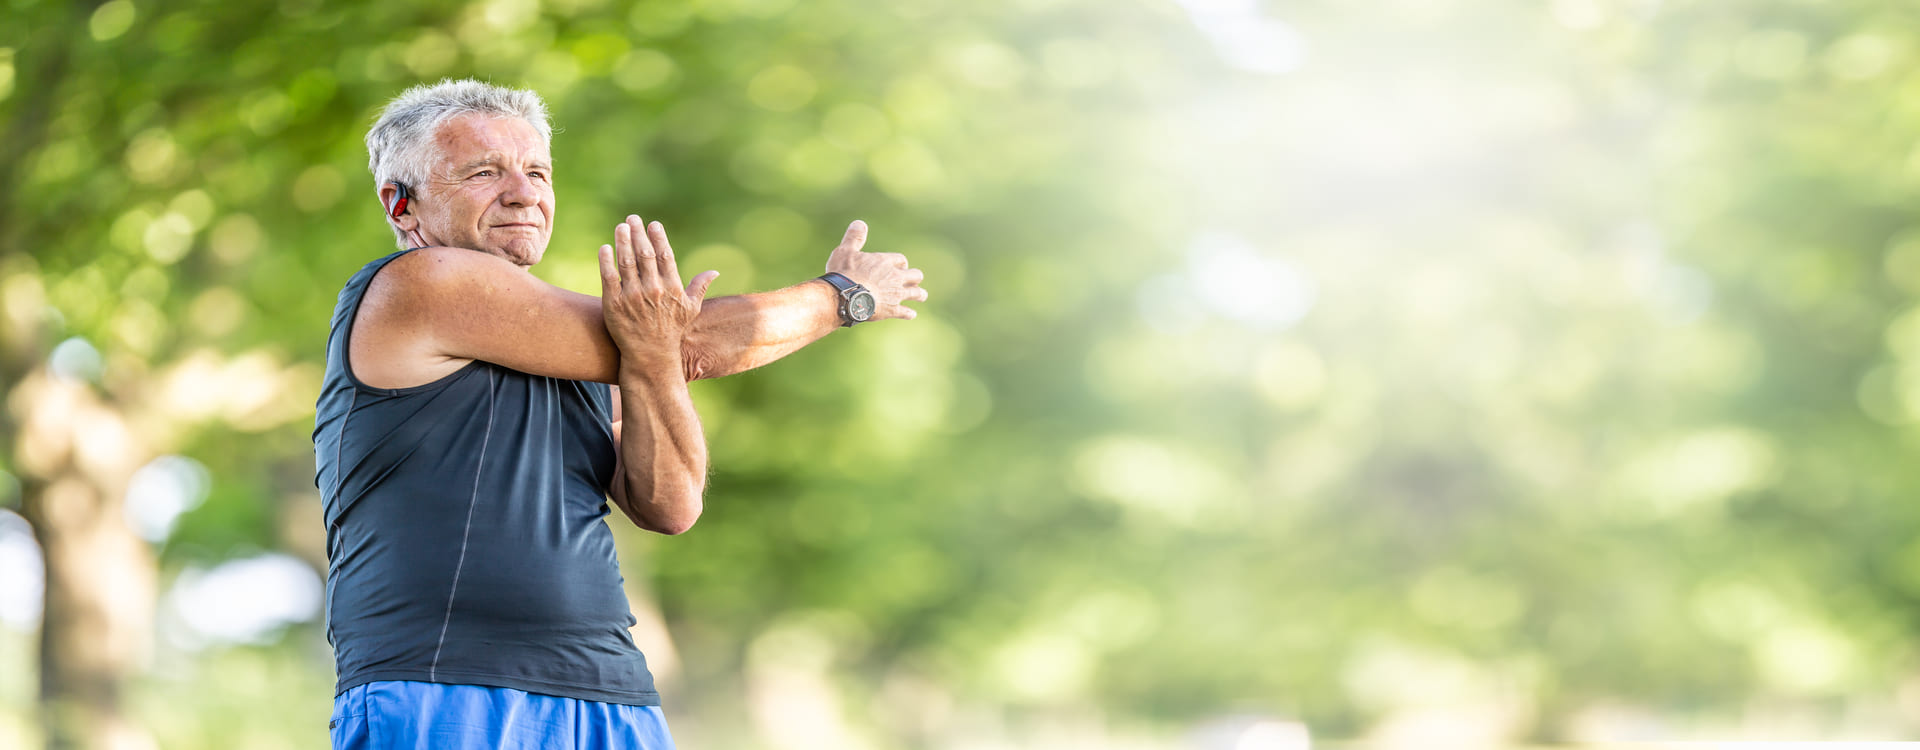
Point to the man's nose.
(521, 190)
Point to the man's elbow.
(679, 515)
(673, 523)
(673, 526)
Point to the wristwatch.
(856, 303)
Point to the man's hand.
(892, 281)
(647, 311)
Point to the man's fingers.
(669, 268)
(658, 233)
(609, 272)
(856, 236)
(648, 273)
(916, 294)
(914, 276)
(697, 289)
(623, 255)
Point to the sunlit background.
(1416, 373)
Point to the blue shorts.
(428, 716)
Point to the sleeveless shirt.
(465, 540)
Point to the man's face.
(492, 190)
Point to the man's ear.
(391, 192)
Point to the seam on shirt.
(339, 480)
(472, 500)
(340, 442)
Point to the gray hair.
(402, 146)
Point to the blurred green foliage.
(1552, 367)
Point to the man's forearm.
(663, 452)
(739, 333)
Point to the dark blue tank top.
(465, 538)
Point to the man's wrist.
(652, 370)
(853, 302)
(829, 298)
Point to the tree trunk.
(76, 456)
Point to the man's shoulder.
(427, 274)
(407, 299)
(440, 265)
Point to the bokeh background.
(1412, 373)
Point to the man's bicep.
(476, 306)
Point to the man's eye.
(484, 173)
(537, 175)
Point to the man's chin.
(523, 254)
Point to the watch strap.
(845, 289)
(839, 282)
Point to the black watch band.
(856, 303)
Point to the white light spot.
(1239, 283)
(1275, 735)
(1244, 732)
(24, 584)
(246, 600)
(161, 491)
(75, 359)
(1259, 44)
(1245, 38)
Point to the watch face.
(860, 306)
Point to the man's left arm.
(660, 466)
(738, 333)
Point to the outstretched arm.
(736, 334)
(431, 311)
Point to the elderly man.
(466, 450)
